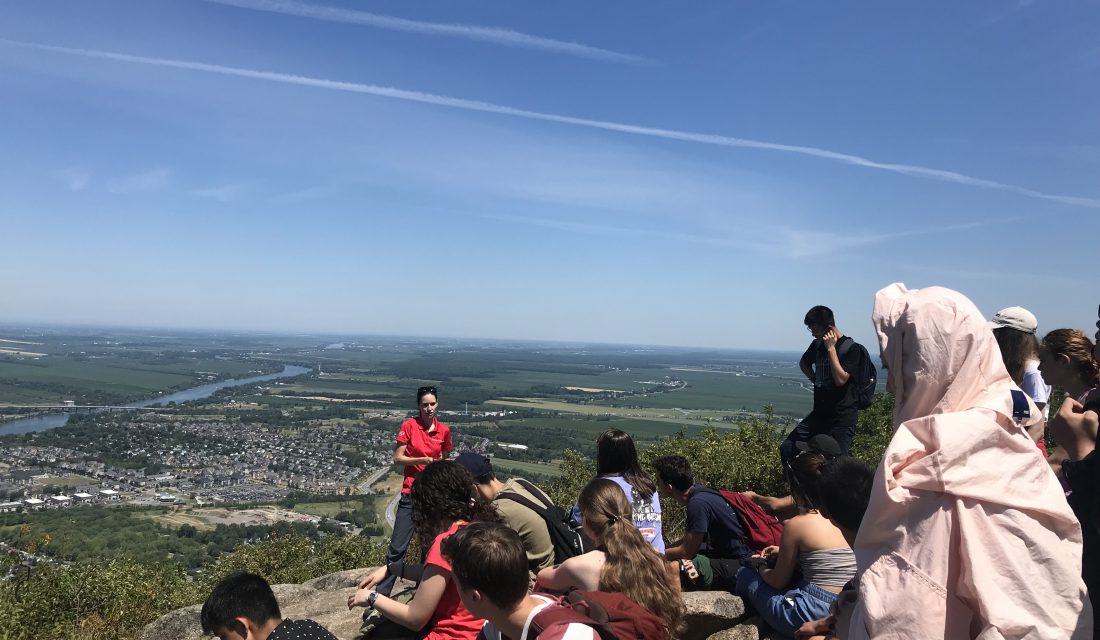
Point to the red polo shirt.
(419, 443)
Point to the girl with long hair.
(1014, 328)
(443, 501)
(812, 547)
(617, 460)
(624, 561)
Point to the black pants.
(806, 430)
(399, 541)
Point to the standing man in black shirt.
(830, 363)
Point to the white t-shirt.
(1036, 389)
(571, 631)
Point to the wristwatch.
(371, 598)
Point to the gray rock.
(181, 623)
(710, 615)
(323, 599)
(340, 580)
(751, 629)
(708, 612)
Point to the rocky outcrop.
(710, 615)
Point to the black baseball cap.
(477, 464)
(824, 444)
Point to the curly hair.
(1076, 346)
(1017, 349)
(442, 495)
(632, 566)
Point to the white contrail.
(488, 107)
(494, 35)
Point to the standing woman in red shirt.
(420, 441)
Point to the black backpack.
(565, 533)
(865, 378)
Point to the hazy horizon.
(560, 172)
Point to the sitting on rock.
(243, 607)
(489, 567)
(624, 561)
(712, 546)
(811, 546)
(443, 501)
(511, 499)
(843, 489)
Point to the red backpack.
(761, 529)
(612, 615)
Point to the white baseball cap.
(1017, 318)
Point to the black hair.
(423, 391)
(617, 456)
(443, 494)
(239, 595)
(674, 470)
(819, 316)
(489, 557)
(804, 474)
(843, 489)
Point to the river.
(49, 421)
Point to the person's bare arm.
(686, 548)
(840, 376)
(399, 457)
(780, 576)
(416, 614)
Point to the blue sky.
(615, 172)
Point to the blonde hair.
(632, 566)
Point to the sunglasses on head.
(422, 390)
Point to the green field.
(54, 378)
(521, 467)
(327, 509)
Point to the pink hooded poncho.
(967, 533)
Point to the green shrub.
(113, 600)
(93, 601)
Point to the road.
(364, 486)
(391, 510)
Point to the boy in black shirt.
(243, 607)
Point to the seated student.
(812, 547)
(617, 460)
(843, 489)
(623, 561)
(242, 607)
(529, 525)
(489, 566)
(709, 518)
(443, 501)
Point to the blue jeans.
(399, 541)
(784, 610)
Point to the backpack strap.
(535, 491)
(524, 500)
(845, 346)
(1020, 409)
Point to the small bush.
(113, 600)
